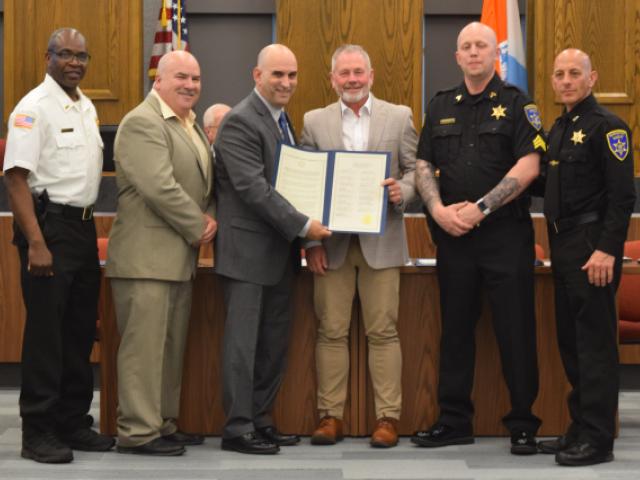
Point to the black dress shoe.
(181, 438)
(158, 446)
(87, 440)
(582, 454)
(523, 443)
(45, 447)
(250, 443)
(441, 435)
(556, 445)
(274, 436)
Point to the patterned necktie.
(284, 128)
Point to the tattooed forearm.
(507, 189)
(427, 184)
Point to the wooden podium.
(295, 408)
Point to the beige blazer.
(390, 130)
(163, 190)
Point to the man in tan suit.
(165, 212)
(359, 121)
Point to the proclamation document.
(341, 189)
(301, 179)
(358, 198)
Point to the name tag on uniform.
(447, 121)
(66, 130)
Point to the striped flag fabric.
(172, 33)
(503, 16)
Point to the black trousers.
(587, 335)
(57, 379)
(496, 257)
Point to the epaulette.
(511, 86)
(446, 90)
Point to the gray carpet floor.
(487, 459)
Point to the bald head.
(212, 118)
(477, 29)
(276, 74)
(178, 81)
(573, 77)
(574, 55)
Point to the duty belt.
(564, 224)
(68, 211)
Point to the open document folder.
(341, 189)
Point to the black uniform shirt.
(475, 139)
(590, 169)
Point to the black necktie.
(284, 128)
(552, 194)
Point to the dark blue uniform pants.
(587, 335)
(496, 257)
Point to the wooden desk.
(295, 408)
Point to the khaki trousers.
(379, 296)
(153, 320)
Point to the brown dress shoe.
(329, 431)
(385, 434)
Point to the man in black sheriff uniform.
(485, 138)
(588, 201)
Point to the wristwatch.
(483, 207)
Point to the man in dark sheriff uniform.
(588, 201)
(485, 138)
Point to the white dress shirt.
(355, 128)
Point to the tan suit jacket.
(163, 190)
(390, 130)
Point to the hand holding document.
(343, 189)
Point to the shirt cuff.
(303, 233)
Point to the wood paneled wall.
(609, 31)
(390, 31)
(113, 30)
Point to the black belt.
(68, 211)
(564, 224)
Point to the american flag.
(172, 33)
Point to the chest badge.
(499, 112)
(533, 115)
(578, 137)
(554, 163)
(618, 142)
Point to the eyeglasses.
(68, 56)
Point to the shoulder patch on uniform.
(22, 120)
(533, 115)
(618, 142)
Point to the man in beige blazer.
(165, 212)
(359, 121)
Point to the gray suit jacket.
(390, 130)
(257, 226)
(163, 190)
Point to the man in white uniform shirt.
(342, 262)
(52, 167)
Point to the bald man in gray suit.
(257, 253)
